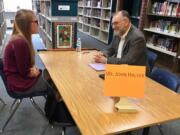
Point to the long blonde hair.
(22, 26)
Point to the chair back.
(151, 59)
(165, 78)
(2, 74)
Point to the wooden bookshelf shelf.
(162, 33)
(96, 8)
(99, 14)
(95, 17)
(163, 16)
(151, 46)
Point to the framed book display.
(64, 33)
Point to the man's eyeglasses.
(36, 21)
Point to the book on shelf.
(80, 3)
(105, 26)
(87, 12)
(169, 44)
(95, 22)
(165, 26)
(88, 3)
(96, 3)
(166, 8)
(107, 4)
(99, 4)
(87, 20)
(96, 13)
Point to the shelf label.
(64, 7)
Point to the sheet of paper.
(97, 66)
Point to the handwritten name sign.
(124, 80)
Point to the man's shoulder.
(136, 33)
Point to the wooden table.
(94, 114)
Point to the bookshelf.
(95, 18)
(2, 24)
(57, 22)
(162, 29)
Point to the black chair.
(18, 98)
(151, 59)
(167, 79)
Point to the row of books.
(95, 22)
(107, 3)
(166, 8)
(46, 25)
(95, 3)
(87, 12)
(166, 26)
(105, 26)
(80, 3)
(106, 14)
(80, 10)
(45, 8)
(94, 32)
(97, 13)
(169, 44)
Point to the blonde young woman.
(19, 56)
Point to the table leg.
(146, 131)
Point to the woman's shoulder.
(17, 39)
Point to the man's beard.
(118, 32)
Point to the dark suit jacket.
(134, 50)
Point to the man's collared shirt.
(121, 43)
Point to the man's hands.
(34, 71)
(99, 58)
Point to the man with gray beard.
(128, 45)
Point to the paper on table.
(97, 66)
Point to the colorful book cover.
(64, 36)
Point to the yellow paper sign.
(124, 80)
